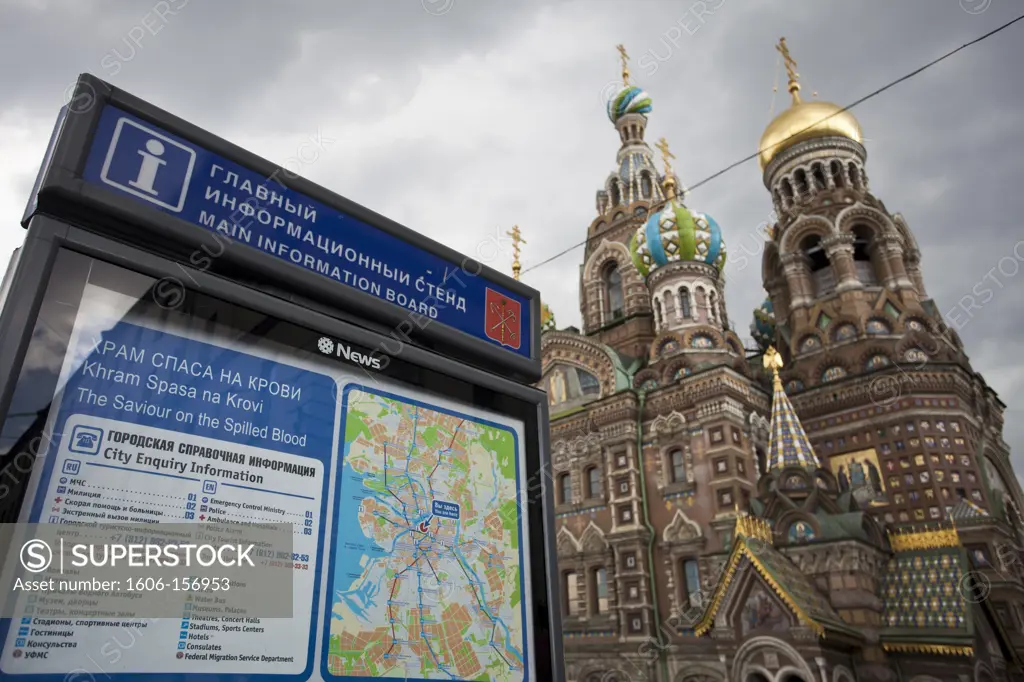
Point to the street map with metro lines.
(427, 581)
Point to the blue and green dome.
(675, 234)
(762, 329)
(629, 100)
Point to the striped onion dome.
(629, 100)
(676, 234)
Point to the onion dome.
(804, 120)
(547, 318)
(629, 100)
(763, 326)
(675, 234)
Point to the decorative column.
(893, 252)
(840, 253)
(798, 278)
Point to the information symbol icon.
(325, 345)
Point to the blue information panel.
(154, 427)
(151, 165)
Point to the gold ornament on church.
(517, 240)
(804, 121)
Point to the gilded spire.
(517, 239)
(773, 362)
(794, 77)
(670, 181)
(624, 58)
(787, 443)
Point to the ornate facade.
(840, 509)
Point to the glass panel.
(111, 360)
(691, 576)
(572, 594)
(601, 590)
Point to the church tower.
(614, 304)
(873, 370)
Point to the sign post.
(194, 335)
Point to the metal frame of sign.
(62, 191)
(47, 236)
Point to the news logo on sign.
(148, 165)
(502, 319)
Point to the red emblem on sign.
(502, 319)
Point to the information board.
(429, 543)
(155, 427)
(411, 553)
(162, 170)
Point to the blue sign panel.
(157, 428)
(151, 165)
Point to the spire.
(794, 77)
(625, 63)
(670, 181)
(517, 239)
(788, 444)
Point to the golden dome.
(804, 120)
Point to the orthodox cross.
(666, 155)
(794, 77)
(517, 239)
(625, 63)
(669, 183)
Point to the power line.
(750, 157)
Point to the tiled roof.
(785, 579)
(965, 512)
(924, 608)
(787, 444)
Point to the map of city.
(427, 581)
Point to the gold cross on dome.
(794, 77)
(662, 147)
(625, 63)
(517, 239)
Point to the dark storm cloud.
(212, 60)
(944, 147)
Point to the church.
(837, 505)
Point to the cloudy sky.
(460, 119)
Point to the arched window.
(836, 169)
(684, 303)
(657, 313)
(594, 487)
(787, 189)
(863, 238)
(599, 591)
(589, 384)
(678, 466)
(854, 175)
(645, 186)
(819, 176)
(800, 182)
(691, 595)
(821, 268)
(570, 594)
(670, 306)
(614, 193)
(762, 460)
(564, 490)
(613, 289)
